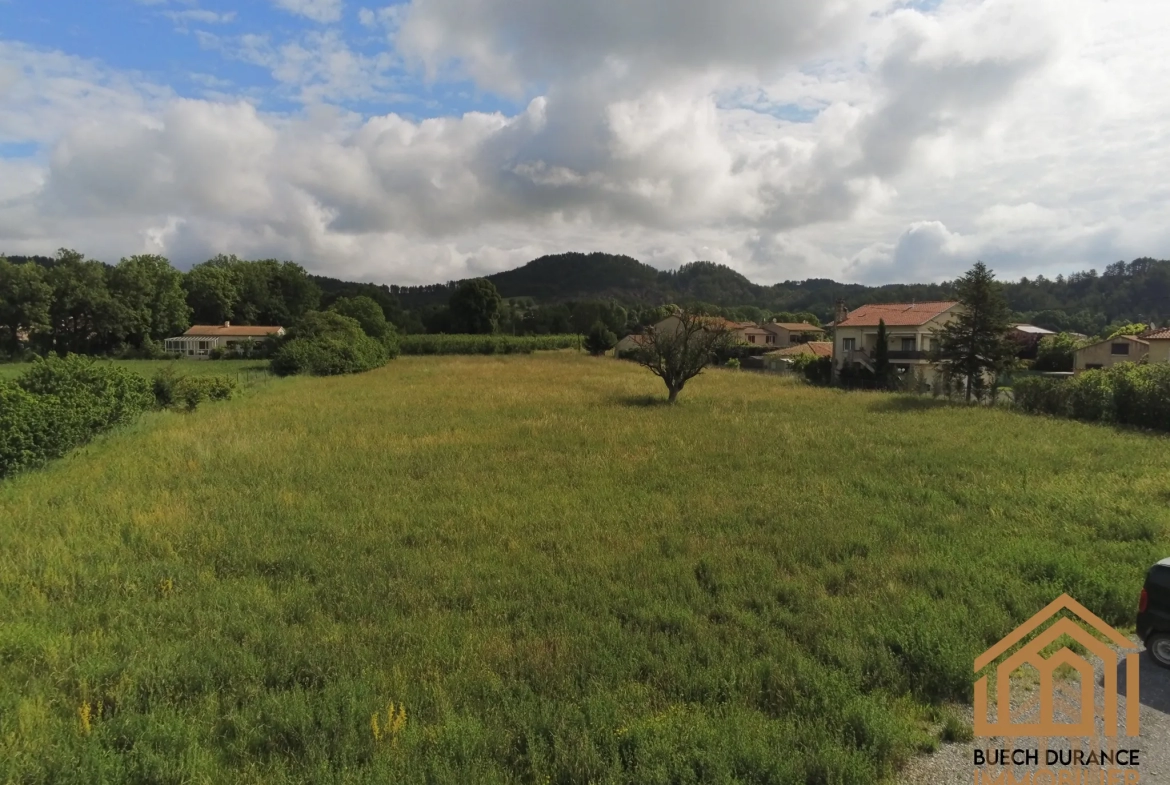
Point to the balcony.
(894, 355)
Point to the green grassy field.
(150, 367)
(523, 569)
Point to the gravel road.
(952, 764)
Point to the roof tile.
(896, 314)
(241, 331)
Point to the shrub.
(1128, 394)
(1141, 394)
(25, 428)
(733, 363)
(600, 339)
(190, 391)
(329, 356)
(328, 344)
(61, 403)
(101, 395)
(818, 370)
(164, 382)
(1040, 395)
(1089, 396)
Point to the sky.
(874, 141)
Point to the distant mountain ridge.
(1084, 301)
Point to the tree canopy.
(475, 307)
(975, 344)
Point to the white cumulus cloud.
(861, 139)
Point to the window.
(907, 344)
(848, 344)
(1120, 348)
(203, 345)
(751, 339)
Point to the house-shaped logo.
(1030, 654)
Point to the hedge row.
(485, 344)
(1127, 394)
(60, 403)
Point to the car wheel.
(1159, 648)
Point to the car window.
(1160, 577)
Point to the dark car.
(1153, 621)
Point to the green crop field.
(524, 569)
(243, 368)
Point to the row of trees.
(72, 304)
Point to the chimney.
(842, 312)
(227, 324)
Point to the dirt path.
(953, 764)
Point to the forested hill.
(1082, 302)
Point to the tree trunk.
(673, 394)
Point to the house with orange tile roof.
(744, 332)
(201, 339)
(782, 359)
(910, 331)
(1159, 341)
(786, 334)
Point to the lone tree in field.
(975, 342)
(677, 349)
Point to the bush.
(164, 382)
(101, 395)
(329, 344)
(61, 403)
(818, 370)
(1089, 396)
(329, 356)
(190, 391)
(1141, 394)
(1040, 395)
(600, 339)
(1135, 394)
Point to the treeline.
(70, 304)
(1086, 302)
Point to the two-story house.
(910, 329)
